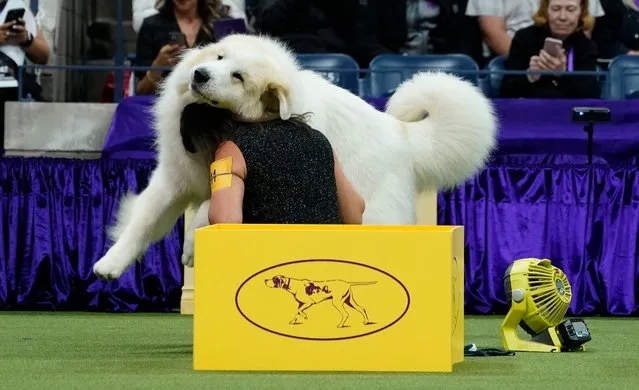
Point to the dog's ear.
(276, 100)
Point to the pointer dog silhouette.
(308, 293)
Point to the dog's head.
(277, 281)
(251, 76)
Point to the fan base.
(568, 336)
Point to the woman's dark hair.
(205, 128)
(208, 10)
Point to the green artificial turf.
(153, 351)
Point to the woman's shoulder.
(581, 42)
(156, 21)
(530, 32)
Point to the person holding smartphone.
(20, 37)
(556, 42)
(179, 24)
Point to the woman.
(145, 8)
(565, 20)
(617, 32)
(193, 18)
(272, 172)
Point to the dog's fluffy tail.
(451, 126)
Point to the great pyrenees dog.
(438, 130)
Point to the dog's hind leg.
(350, 301)
(156, 210)
(338, 302)
(200, 219)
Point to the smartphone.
(553, 47)
(224, 27)
(177, 38)
(14, 14)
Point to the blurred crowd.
(592, 32)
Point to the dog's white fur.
(389, 157)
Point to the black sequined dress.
(290, 174)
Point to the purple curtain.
(53, 218)
(584, 219)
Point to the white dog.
(438, 130)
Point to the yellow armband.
(221, 174)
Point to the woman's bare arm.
(227, 185)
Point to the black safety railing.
(362, 76)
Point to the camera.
(591, 114)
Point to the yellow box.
(329, 298)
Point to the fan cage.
(550, 291)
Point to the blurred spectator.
(193, 18)
(499, 20)
(309, 26)
(415, 27)
(21, 40)
(617, 32)
(142, 9)
(565, 20)
(101, 45)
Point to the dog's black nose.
(201, 76)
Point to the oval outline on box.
(237, 304)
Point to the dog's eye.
(219, 57)
(238, 76)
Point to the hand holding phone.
(169, 53)
(177, 38)
(13, 31)
(553, 47)
(14, 15)
(18, 25)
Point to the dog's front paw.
(187, 259)
(107, 268)
(188, 251)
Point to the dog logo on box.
(308, 293)
(322, 299)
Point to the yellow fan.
(540, 294)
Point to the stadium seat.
(623, 78)
(340, 69)
(603, 81)
(389, 70)
(494, 79)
